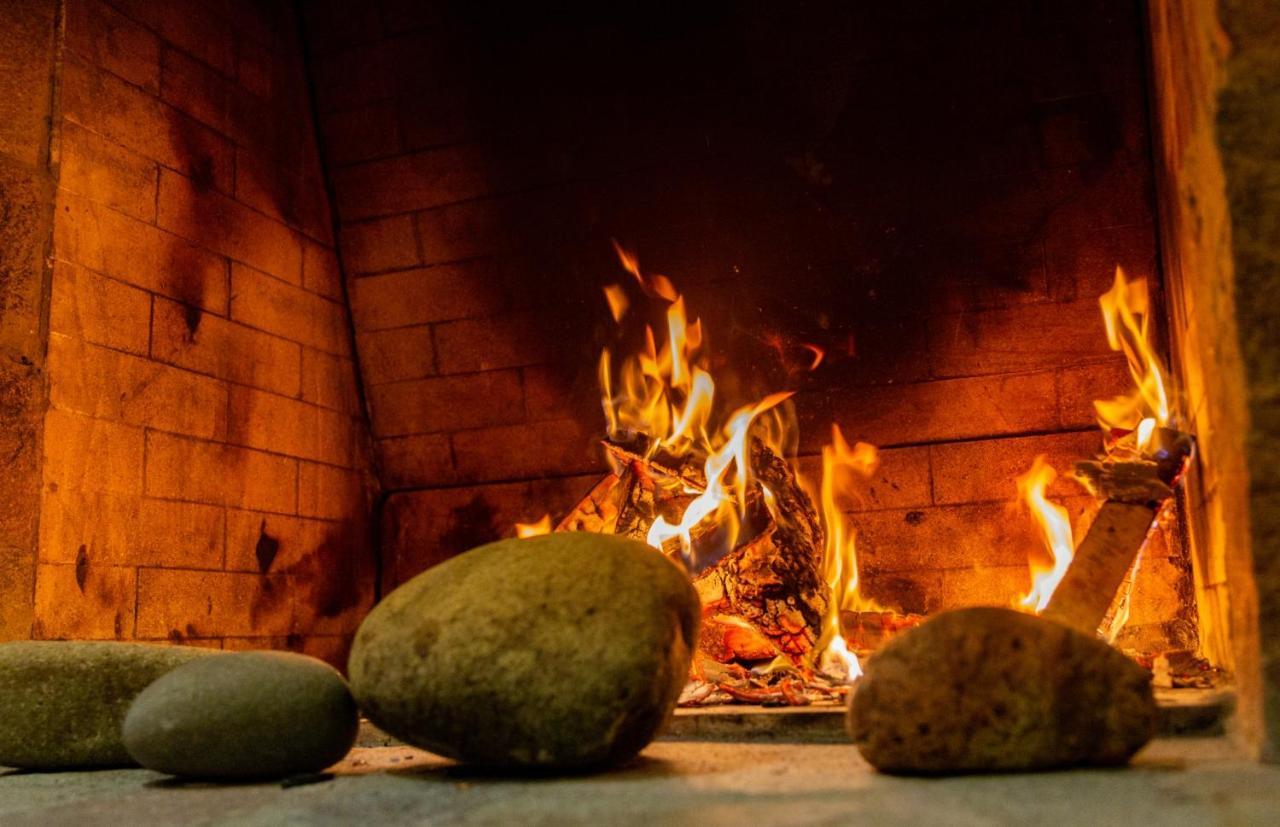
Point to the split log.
(1136, 491)
(1102, 560)
(598, 511)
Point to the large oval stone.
(565, 651)
(244, 715)
(991, 689)
(62, 703)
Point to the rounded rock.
(62, 702)
(565, 651)
(243, 715)
(989, 689)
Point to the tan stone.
(136, 119)
(209, 472)
(107, 173)
(99, 310)
(266, 303)
(228, 227)
(991, 690)
(109, 242)
(84, 602)
(198, 604)
(210, 344)
(108, 384)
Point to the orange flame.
(1055, 531)
(618, 302)
(843, 468)
(666, 392)
(1126, 309)
(535, 529)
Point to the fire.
(666, 392)
(1126, 309)
(1055, 530)
(1129, 421)
(534, 529)
(843, 468)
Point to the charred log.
(763, 596)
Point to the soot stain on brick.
(470, 525)
(266, 549)
(330, 580)
(191, 315)
(82, 567)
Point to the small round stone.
(565, 651)
(62, 702)
(990, 689)
(243, 715)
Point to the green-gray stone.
(62, 702)
(244, 715)
(566, 651)
(989, 689)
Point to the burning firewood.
(762, 597)
(774, 582)
(1135, 491)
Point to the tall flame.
(1129, 421)
(843, 468)
(667, 393)
(1126, 309)
(1055, 530)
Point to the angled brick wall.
(205, 472)
(935, 196)
(28, 43)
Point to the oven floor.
(1192, 781)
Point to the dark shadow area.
(639, 767)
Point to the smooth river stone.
(987, 689)
(244, 715)
(566, 651)
(62, 702)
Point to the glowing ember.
(1055, 531)
(542, 526)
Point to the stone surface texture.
(1174, 783)
(245, 715)
(563, 651)
(62, 703)
(987, 689)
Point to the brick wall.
(934, 194)
(205, 469)
(27, 57)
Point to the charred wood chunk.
(774, 581)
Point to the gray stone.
(245, 715)
(62, 703)
(990, 689)
(566, 651)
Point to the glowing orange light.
(1126, 309)
(1055, 532)
(535, 529)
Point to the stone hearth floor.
(1191, 781)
